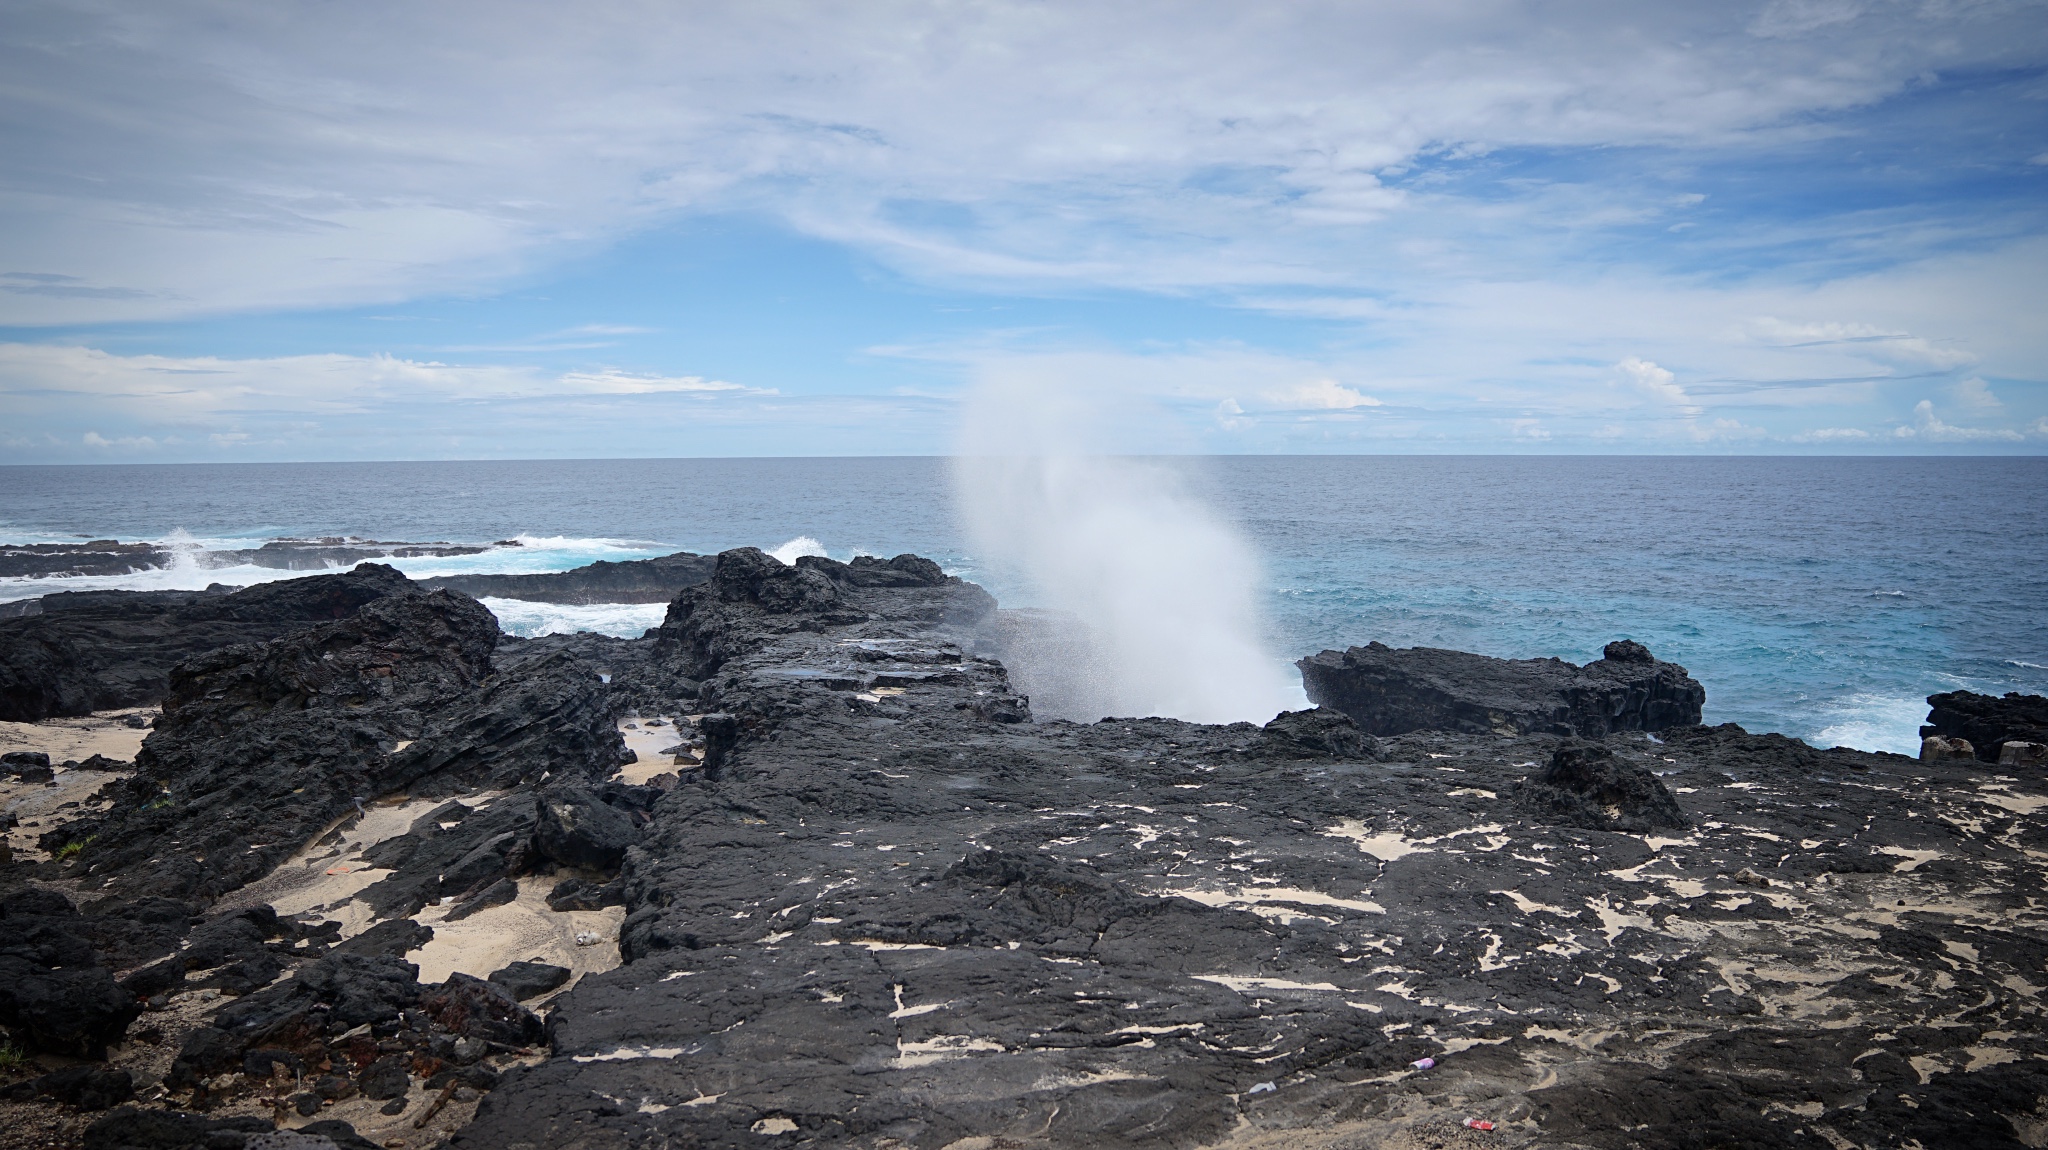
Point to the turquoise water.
(1824, 598)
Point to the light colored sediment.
(647, 744)
(521, 930)
(100, 733)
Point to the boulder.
(1315, 733)
(2015, 753)
(55, 997)
(1987, 722)
(1937, 749)
(19, 762)
(1587, 785)
(524, 980)
(87, 1087)
(576, 828)
(1392, 692)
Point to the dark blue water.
(1820, 597)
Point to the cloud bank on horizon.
(240, 231)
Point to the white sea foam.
(625, 620)
(194, 565)
(797, 548)
(1162, 594)
(1871, 722)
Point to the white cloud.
(1658, 383)
(1833, 435)
(1976, 395)
(1326, 394)
(1928, 426)
(184, 158)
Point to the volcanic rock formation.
(886, 907)
(1392, 692)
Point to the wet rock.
(524, 980)
(1587, 785)
(1986, 722)
(575, 828)
(86, 1087)
(1390, 692)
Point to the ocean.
(1821, 598)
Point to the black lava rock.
(1586, 785)
(1392, 692)
(577, 829)
(86, 1087)
(524, 980)
(1988, 722)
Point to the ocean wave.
(797, 548)
(196, 564)
(2027, 665)
(624, 620)
(1872, 722)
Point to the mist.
(1146, 601)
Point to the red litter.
(1478, 1124)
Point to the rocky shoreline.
(803, 867)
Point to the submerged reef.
(802, 867)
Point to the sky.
(312, 230)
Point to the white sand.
(521, 930)
(100, 733)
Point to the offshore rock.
(260, 747)
(633, 581)
(99, 650)
(1392, 692)
(1987, 722)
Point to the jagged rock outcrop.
(259, 747)
(97, 557)
(1390, 691)
(1586, 785)
(1987, 722)
(634, 581)
(99, 650)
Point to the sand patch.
(322, 878)
(647, 744)
(523, 929)
(100, 733)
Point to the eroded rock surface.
(1987, 722)
(101, 650)
(1392, 692)
(881, 915)
(876, 904)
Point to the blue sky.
(313, 231)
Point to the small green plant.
(68, 850)
(12, 1059)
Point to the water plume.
(1149, 600)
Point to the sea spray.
(1152, 599)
